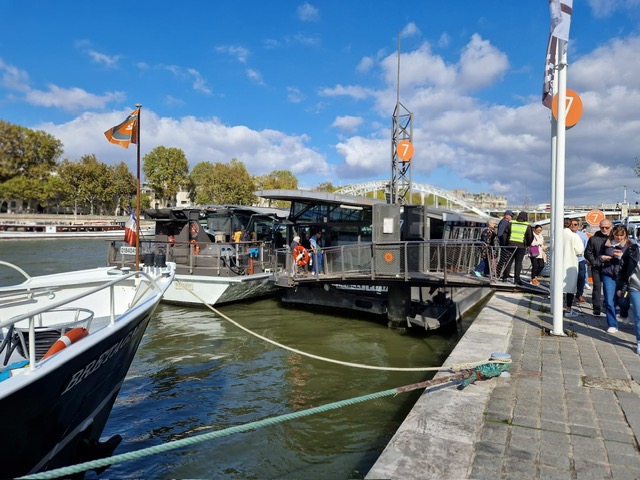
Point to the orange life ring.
(72, 336)
(172, 240)
(194, 228)
(300, 255)
(195, 246)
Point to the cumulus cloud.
(202, 140)
(347, 123)
(505, 149)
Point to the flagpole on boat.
(139, 107)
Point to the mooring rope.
(467, 376)
(454, 368)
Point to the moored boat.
(211, 265)
(67, 341)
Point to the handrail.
(399, 260)
(15, 267)
(111, 283)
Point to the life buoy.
(172, 240)
(72, 336)
(195, 247)
(300, 255)
(194, 228)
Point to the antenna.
(401, 149)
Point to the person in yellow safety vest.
(520, 237)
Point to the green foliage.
(23, 151)
(202, 178)
(166, 171)
(277, 180)
(123, 187)
(326, 187)
(233, 184)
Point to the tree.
(166, 171)
(326, 187)
(202, 184)
(23, 149)
(233, 184)
(88, 181)
(277, 180)
(123, 186)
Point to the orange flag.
(126, 132)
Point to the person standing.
(572, 249)
(294, 260)
(592, 255)
(628, 282)
(306, 243)
(520, 237)
(317, 243)
(610, 255)
(582, 262)
(488, 238)
(502, 234)
(537, 254)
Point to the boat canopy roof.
(308, 196)
(182, 213)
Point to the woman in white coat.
(572, 249)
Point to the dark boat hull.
(57, 418)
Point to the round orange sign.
(388, 257)
(574, 108)
(404, 149)
(594, 217)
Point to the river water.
(195, 372)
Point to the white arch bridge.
(361, 189)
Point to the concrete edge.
(437, 439)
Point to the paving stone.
(495, 432)
(545, 422)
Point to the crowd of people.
(608, 257)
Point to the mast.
(139, 106)
(401, 131)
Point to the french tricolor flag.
(130, 230)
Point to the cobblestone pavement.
(570, 408)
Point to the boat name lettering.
(124, 250)
(92, 366)
(184, 286)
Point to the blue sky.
(311, 87)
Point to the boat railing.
(217, 258)
(399, 260)
(65, 317)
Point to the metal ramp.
(438, 263)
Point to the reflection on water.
(195, 373)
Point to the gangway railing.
(443, 261)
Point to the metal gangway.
(432, 262)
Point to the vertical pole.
(557, 260)
(139, 107)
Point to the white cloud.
(347, 123)
(365, 65)
(255, 76)
(241, 53)
(410, 30)
(356, 92)
(199, 83)
(294, 95)
(308, 13)
(202, 140)
(110, 61)
(499, 148)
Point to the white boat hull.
(196, 289)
